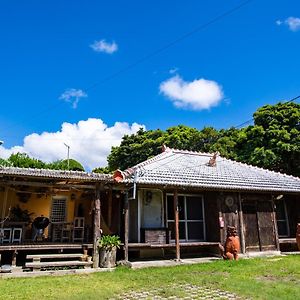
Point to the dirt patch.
(272, 278)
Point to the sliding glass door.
(191, 217)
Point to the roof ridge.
(183, 151)
(249, 166)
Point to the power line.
(170, 44)
(252, 119)
(152, 54)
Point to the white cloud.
(103, 46)
(73, 96)
(90, 142)
(292, 22)
(197, 95)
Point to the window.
(281, 217)
(191, 217)
(59, 209)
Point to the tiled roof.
(53, 174)
(190, 169)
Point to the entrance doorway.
(259, 229)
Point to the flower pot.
(108, 257)
(298, 236)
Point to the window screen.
(59, 209)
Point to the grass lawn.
(266, 278)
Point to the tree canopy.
(23, 160)
(272, 142)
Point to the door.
(259, 230)
(266, 225)
(152, 209)
(250, 226)
(191, 217)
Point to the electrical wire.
(251, 120)
(150, 55)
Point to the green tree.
(136, 148)
(103, 170)
(23, 160)
(143, 145)
(273, 141)
(74, 165)
(4, 163)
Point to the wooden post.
(97, 230)
(275, 225)
(126, 227)
(109, 214)
(176, 218)
(221, 219)
(242, 231)
(14, 259)
(4, 203)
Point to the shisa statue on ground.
(232, 244)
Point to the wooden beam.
(97, 230)
(176, 218)
(43, 184)
(126, 227)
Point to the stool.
(17, 235)
(5, 234)
(78, 229)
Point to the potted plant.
(108, 245)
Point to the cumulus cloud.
(73, 96)
(90, 142)
(292, 23)
(103, 46)
(197, 95)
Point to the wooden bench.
(44, 261)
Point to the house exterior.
(175, 203)
(187, 199)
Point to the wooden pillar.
(97, 230)
(4, 203)
(126, 226)
(109, 214)
(176, 218)
(242, 231)
(14, 259)
(221, 219)
(275, 225)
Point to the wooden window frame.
(286, 220)
(186, 221)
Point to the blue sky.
(218, 76)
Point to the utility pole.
(68, 155)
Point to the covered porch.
(72, 204)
